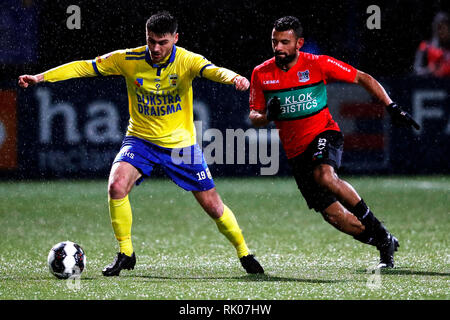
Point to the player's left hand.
(401, 118)
(241, 83)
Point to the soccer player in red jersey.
(290, 89)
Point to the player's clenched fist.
(241, 83)
(29, 80)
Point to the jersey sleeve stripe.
(207, 65)
(94, 65)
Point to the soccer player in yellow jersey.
(160, 101)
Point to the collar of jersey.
(164, 64)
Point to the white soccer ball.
(66, 260)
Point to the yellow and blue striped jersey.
(160, 96)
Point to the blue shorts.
(185, 166)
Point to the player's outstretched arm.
(372, 86)
(399, 117)
(226, 76)
(74, 69)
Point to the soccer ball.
(66, 260)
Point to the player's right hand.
(28, 80)
(273, 108)
(401, 118)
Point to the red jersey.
(302, 95)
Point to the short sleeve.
(198, 63)
(336, 70)
(109, 64)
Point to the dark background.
(234, 34)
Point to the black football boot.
(122, 261)
(387, 250)
(251, 265)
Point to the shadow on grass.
(247, 278)
(409, 272)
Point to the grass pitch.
(181, 254)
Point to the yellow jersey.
(160, 96)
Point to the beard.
(284, 59)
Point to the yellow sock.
(229, 227)
(121, 220)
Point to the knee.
(324, 176)
(117, 189)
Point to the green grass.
(181, 255)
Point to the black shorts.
(326, 148)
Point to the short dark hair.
(289, 23)
(162, 23)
